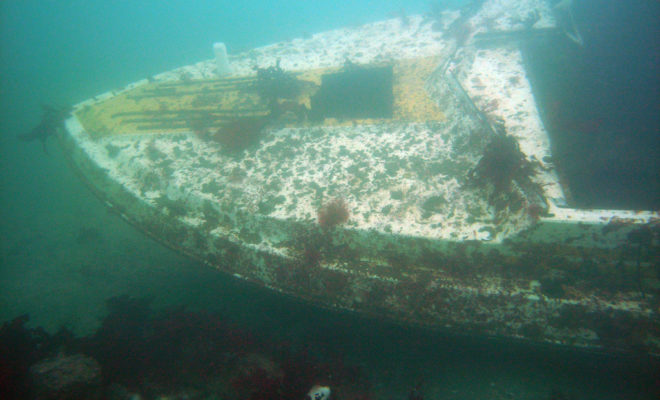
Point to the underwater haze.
(63, 255)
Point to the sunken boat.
(398, 169)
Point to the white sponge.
(221, 59)
(319, 393)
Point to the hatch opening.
(355, 93)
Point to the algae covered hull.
(425, 136)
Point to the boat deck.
(428, 239)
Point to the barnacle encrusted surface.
(403, 175)
(421, 243)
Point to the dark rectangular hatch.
(355, 93)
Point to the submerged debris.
(140, 353)
(20, 348)
(66, 377)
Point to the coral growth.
(202, 124)
(274, 83)
(311, 256)
(501, 164)
(535, 211)
(240, 133)
(234, 134)
(333, 213)
(506, 175)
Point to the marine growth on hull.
(398, 169)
